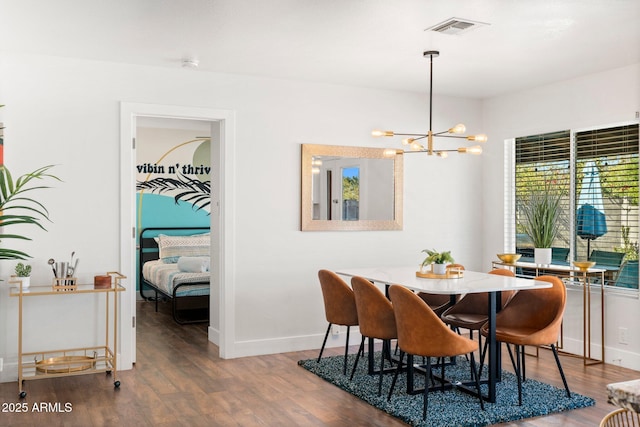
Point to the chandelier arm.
(450, 136)
(435, 151)
(420, 135)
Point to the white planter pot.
(26, 281)
(542, 256)
(439, 268)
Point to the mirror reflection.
(351, 188)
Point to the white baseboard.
(288, 344)
(214, 335)
(9, 372)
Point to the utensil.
(53, 267)
(75, 267)
(62, 269)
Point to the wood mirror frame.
(311, 151)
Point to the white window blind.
(542, 163)
(606, 197)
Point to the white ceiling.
(372, 43)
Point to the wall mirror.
(351, 188)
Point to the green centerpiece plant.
(438, 259)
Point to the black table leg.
(494, 362)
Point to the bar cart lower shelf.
(75, 361)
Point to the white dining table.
(469, 282)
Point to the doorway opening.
(220, 124)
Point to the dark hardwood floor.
(179, 380)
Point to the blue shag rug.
(453, 407)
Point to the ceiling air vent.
(454, 26)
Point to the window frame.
(509, 175)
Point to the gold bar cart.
(72, 361)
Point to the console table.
(578, 275)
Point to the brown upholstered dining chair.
(471, 311)
(422, 333)
(339, 307)
(439, 303)
(376, 319)
(532, 317)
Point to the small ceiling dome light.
(191, 63)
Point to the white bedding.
(167, 276)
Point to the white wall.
(66, 112)
(606, 98)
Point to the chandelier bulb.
(443, 154)
(407, 141)
(476, 149)
(416, 146)
(390, 152)
(478, 138)
(382, 133)
(458, 129)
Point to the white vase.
(26, 281)
(542, 256)
(439, 268)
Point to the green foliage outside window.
(351, 188)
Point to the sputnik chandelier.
(414, 140)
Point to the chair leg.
(324, 342)
(395, 376)
(355, 364)
(480, 349)
(483, 354)
(513, 361)
(346, 353)
(381, 372)
(518, 374)
(425, 400)
(524, 366)
(564, 380)
(441, 375)
(474, 374)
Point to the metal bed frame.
(147, 251)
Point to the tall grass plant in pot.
(541, 222)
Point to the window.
(542, 163)
(596, 171)
(351, 193)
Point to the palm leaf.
(192, 190)
(23, 210)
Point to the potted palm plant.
(438, 259)
(541, 222)
(17, 208)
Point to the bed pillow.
(194, 264)
(173, 247)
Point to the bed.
(174, 265)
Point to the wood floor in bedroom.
(179, 380)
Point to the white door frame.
(222, 222)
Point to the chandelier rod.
(430, 53)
